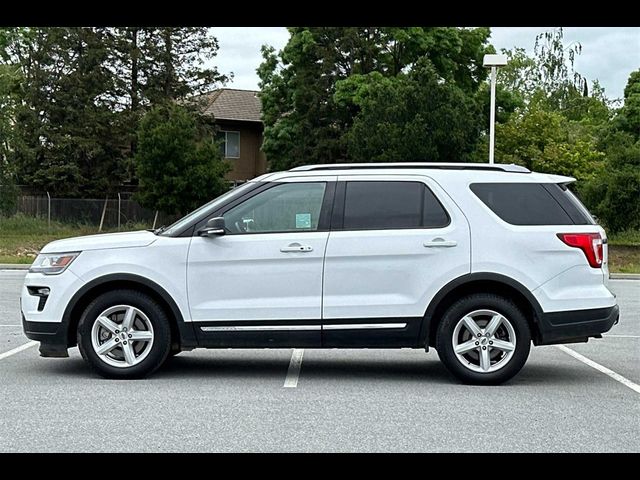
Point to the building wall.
(252, 161)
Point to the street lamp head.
(494, 60)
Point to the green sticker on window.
(303, 220)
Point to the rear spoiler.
(560, 179)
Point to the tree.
(153, 65)
(549, 75)
(614, 196)
(178, 162)
(312, 90)
(415, 117)
(82, 93)
(552, 124)
(9, 84)
(545, 141)
(65, 132)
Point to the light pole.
(493, 61)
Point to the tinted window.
(570, 203)
(522, 203)
(385, 205)
(289, 207)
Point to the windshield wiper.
(159, 230)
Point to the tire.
(148, 323)
(473, 364)
(172, 355)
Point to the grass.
(624, 251)
(624, 259)
(21, 238)
(628, 238)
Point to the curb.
(14, 266)
(624, 276)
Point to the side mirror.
(214, 226)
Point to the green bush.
(178, 162)
(615, 198)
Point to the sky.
(609, 54)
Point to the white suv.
(475, 260)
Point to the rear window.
(533, 203)
(388, 205)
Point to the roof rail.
(500, 167)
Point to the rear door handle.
(296, 247)
(440, 242)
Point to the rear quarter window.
(532, 203)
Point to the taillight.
(589, 243)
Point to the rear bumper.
(574, 326)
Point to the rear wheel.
(483, 339)
(124, 334)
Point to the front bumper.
(44, 321)
(574, 326)
(52, 337)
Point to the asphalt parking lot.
(323, 400)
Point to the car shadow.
(375, 370)
(338, 369)
(255, 367)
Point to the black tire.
(160, 346)
(172, 354)
(469, 304)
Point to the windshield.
(212, 205)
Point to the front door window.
(288, 207)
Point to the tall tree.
(82, 94)
(556, 124)
(66, 132)
(10, 85)
(153, 65)
(415, 117)
(312, 89)
(615, 195)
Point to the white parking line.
(587, 361)
(620, 336)
(17, 350)
(294, 368)
(11, 325)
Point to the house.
(237, 114)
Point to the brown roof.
(233, 104)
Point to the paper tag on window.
(303, 220)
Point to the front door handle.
(440, 242)
(296, 247)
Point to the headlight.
(52, 263)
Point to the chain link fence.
(104, 213)
(111, 212)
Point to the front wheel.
(124, 334)
(483, 339)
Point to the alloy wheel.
(122, 336)
(484, 341)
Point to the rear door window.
(531, 203)
(371, 205)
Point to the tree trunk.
(135, 100)
(168, 64)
